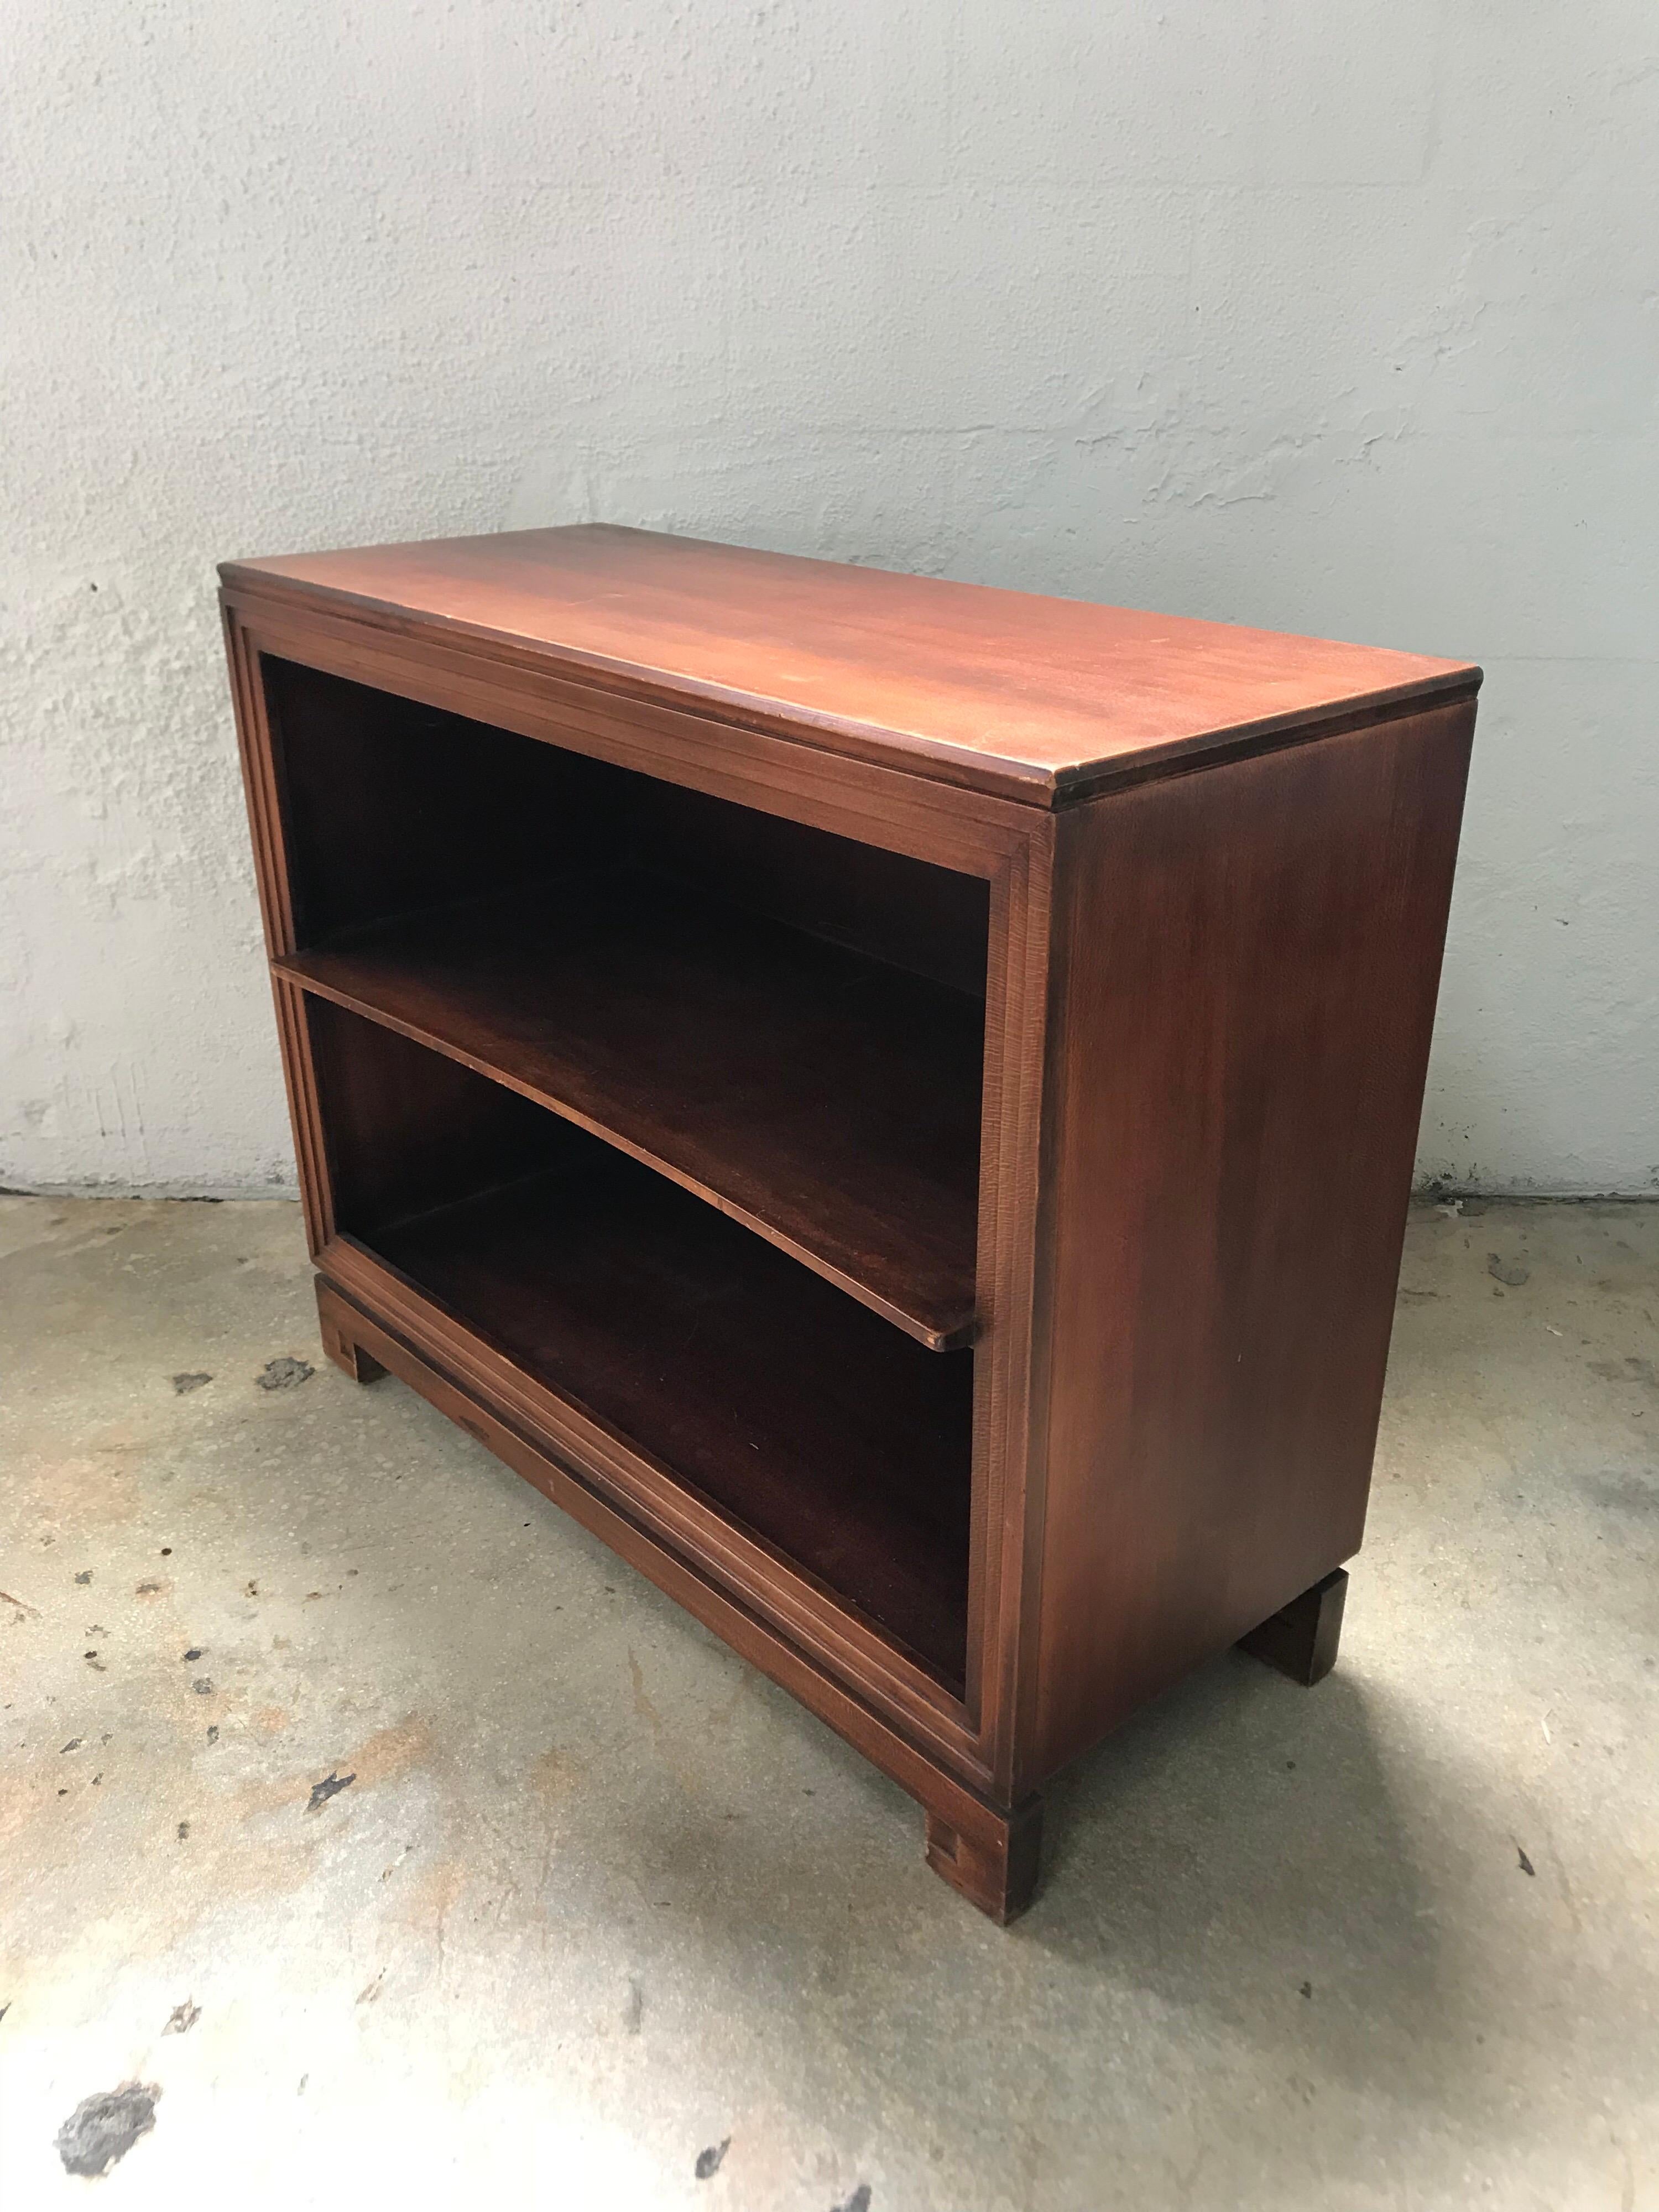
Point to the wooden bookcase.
(892, 1103)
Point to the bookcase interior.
(673, 1102)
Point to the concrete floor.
(595, 1901)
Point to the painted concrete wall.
(1331, 319)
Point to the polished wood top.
(1042, 700)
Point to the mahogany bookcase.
(893, 1103)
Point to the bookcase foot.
(1301, 1639)
(997, 1869)
(350, 1358)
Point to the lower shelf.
(803, 1417)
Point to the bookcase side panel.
(1252, 955)
(257, 746)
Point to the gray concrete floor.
(596, 1900)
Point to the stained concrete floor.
(408, 1846)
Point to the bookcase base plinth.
(349, 1357)
(996, 1867)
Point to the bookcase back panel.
(390, 807)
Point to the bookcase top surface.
(1038, 699)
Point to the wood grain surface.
(1252, 958)
(1042, 698)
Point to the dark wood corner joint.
(996, 1870)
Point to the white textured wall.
(1337, 318)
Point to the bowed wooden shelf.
(892, 1103)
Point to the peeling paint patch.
(284, 1374)
(330, 1786)
(1631, 1369)
(103, 2127)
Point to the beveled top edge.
(1038, 699)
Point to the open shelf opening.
(788, 1408)
(788, 1023)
